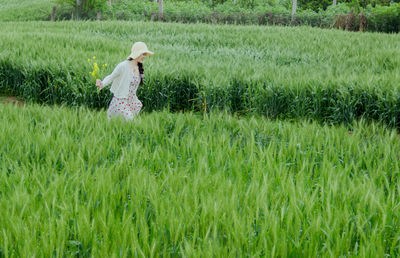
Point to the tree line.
(81, 7)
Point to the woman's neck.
(134, 62)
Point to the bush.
(384, 18)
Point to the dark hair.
(141, 71)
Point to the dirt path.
(11, 100)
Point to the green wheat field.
(254, 141)
(278, 72)
(194, 185)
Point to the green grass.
(190, 185)
(288, 57)
(25, 10)
(280, 72)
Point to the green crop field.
(279, 72)
(203, 171)
(194, 185)
(25, 10)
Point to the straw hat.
(139, 48)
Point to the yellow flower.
(96, 70)
(88, 60)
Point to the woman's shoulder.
(123, 63)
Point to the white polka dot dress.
(126, 107)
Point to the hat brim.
(148, 53)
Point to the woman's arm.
(109, 78)
(99, 84)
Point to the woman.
(126, 78)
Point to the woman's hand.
(99, 84)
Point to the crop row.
(279, 72)
(184, 184)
